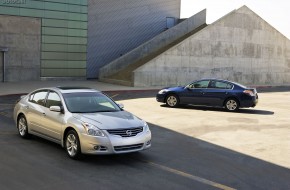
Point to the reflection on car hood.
(110, 120)
(176, 88)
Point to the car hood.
(176, 88)
(110, 120)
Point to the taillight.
(249, 92)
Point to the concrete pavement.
(28, 86)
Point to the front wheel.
(72, 145)
(231, 104)
(22, 127)
(172, 100)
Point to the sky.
(275, 12)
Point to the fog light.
(148, 143)
(96, 147)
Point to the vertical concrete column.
(2, 62)
(2, 66)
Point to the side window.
(200, 84)
(220, 85)
(53, 99)
(38, 98)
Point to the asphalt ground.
(175, 160)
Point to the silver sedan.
(82, 120)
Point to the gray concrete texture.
(117, 27)
(240, 46)
(153, 45)
(21, 35)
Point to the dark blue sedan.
(210, 92)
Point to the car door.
(193, 94)
(35, 111)
(53, 121)
(217, 92)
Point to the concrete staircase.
(120, 70)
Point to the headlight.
(163, 91)
(146, 127)
(92, 130)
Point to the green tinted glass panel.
(63, 72)
(58, 1)
(75, 40)
(64, 48)
(31, 12)
(55, 14)
(74, 8)
(9, 10)
(64, 23)
(84, 9)
(84, 17)
(54, 31)
(74, 16)
(32, 4)
(48, 64)
(75, 2)
(76, 32)
(54, 47)
(54, 23)
(63, 40)
(63, 56)
(55, 6)
(76, 24)
(84, 2)
(55, 39)
(64, 32)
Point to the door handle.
(43, 114)
(26, 107)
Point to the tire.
(22, 127)
(172, 100)
(231, 104)
(72, 145)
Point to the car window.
(53, 99)
(89, 102)
(220, 85)
(200, 84)
(38, 97)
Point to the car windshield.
(89, 102)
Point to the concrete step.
(116, 81)
(126, 73)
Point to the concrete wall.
(160, 41)
(241, 47)
(21, 35)
(63, 34)
(117, 27)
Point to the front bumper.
(160, 98)
(114, 144)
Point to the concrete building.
(74, 38)
(117, 27)
(43, 39)
(240, 46)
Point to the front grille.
(131, 132)
(128, 147)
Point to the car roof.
(69, 89)
(216, 79)
(74, 89)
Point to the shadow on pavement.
(175, 161)
(203, 108)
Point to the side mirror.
(55, 108)
(121, 106)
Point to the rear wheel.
(231, 104)
(22, 127)
(72, 145)
(172, 100)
